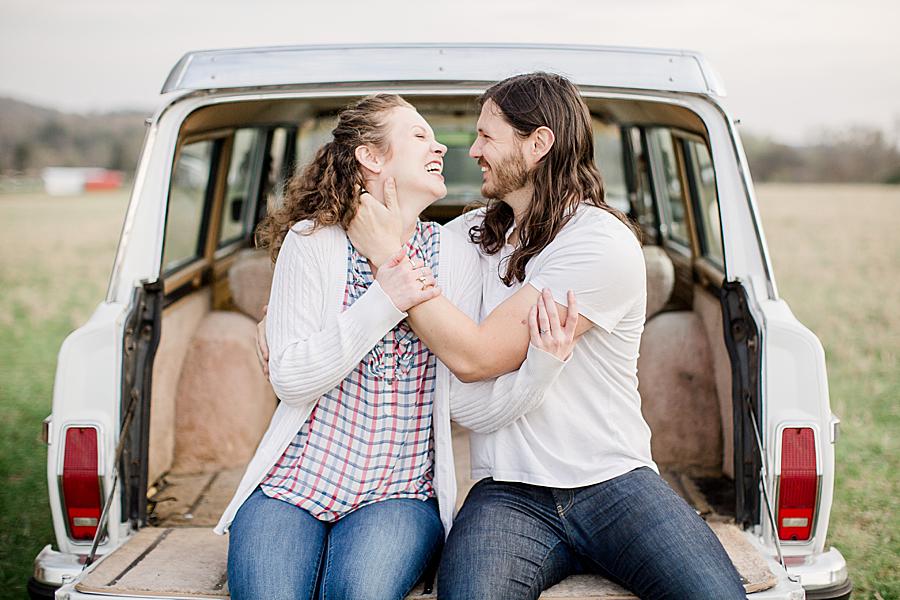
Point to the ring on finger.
(543, 331)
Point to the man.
(567, 485)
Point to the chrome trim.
(823, 570)
(47, 430)
(834, 428)
(56, 568)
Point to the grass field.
(836, 255)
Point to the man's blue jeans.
(279, 551)
(513, 540)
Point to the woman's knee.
(274, 550)
(381, 550)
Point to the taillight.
(81, 483)
(798, 485)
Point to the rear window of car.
(671, 190)
(188, 197)
(609, 156)
(241, 184)
(703, 180)
(462, 175)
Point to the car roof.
(587, 66)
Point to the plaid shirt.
(370, 438)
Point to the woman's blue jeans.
(513, 540)
(279, 551)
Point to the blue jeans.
(279, 551)
(513, 540)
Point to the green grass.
(55, 258)
(835, 251)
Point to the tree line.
(32, 138)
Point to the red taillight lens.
(81, 482)
(799, 485)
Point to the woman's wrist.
(382, 255)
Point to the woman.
(352, 488)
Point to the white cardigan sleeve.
(309, 354)
(492, 404)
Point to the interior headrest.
(660, 278)
(250, 280)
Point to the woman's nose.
(440, 149)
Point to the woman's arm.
(475, 351)
(489, 405)
(472, 351)
(308, 357)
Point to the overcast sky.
(791, 67)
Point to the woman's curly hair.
(325, 191)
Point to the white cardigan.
(314, 345)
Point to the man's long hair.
(565, 177)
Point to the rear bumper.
(52, 568)
(823, 576)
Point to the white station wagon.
(732, 385)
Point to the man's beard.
(509, 175)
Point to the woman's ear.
(369, 159)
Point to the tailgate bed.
(181, 557)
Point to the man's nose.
(475, 149)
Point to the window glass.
(313, 134)
(275, 179)
(281, 166)
(610, 160)
(187, 197)
(462, 175)
(671, 188)
(645, 209)
(239, 192)
(704, 177)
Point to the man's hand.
(547, 333)
(405, 283)
(377, 229)
(262, 348)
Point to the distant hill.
(33, 137)
(850, 155)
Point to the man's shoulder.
(461, 224)
(597, 223)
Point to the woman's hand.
(377, 229)
(546, 332)
(405, 283)
(262, 346)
